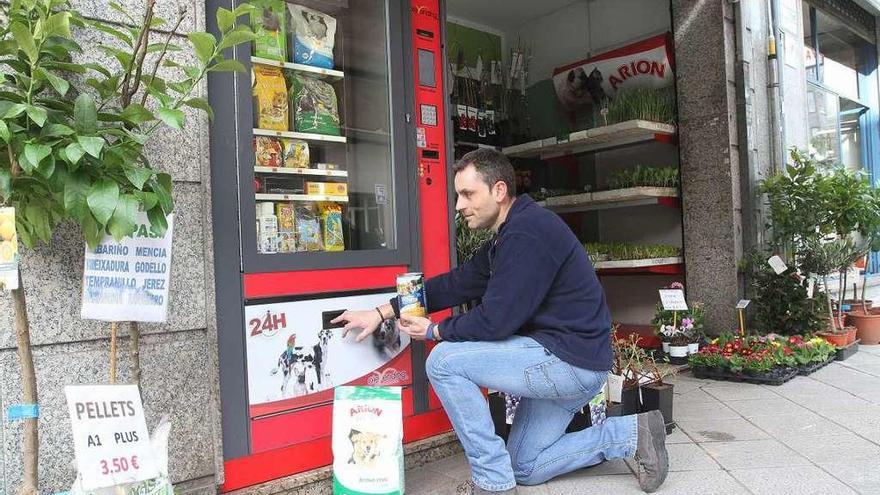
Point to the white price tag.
(615, 387)
(743, 303)
(110, 436)
(673, 300)
(777, 264)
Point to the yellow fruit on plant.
(7, 230)
(7, 252)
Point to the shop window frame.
(869, 120)
(403, 175)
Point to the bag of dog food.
(308, 228)
(313, 36)
(314, 106)
(270, 93)
(271, 30)
(296, 153)
(331, 219)
(367, 441)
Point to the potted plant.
(678, 344)
(822, 258)
(633, 364)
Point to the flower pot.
(693, 348)
(630, 399)
(678, 351)
(835, 339)
(666, 347)
(658, 396)
(497, 409)
(868, 328)
(850, 332)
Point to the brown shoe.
(651, 457)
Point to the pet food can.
(411, 294)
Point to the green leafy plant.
(781, 302)
(625, 251)
(655, 105)
(640, 176)
(467, 240)
(72, 134)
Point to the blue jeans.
(552, 391)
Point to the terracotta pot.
(835, 339)
(850, 334)
(868, 327)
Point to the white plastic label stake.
(777, 264)
(673, 300)
(615, 387)
(743, 303)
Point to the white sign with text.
(128, 280)
(110, 436)
(673, 300)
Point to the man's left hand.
(414, 326)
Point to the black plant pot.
(658, 396)
(613, 409)
(630, 400)
(580, 421)
(498, 410)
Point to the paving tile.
(864, 423)
(803, 425)
(807, 480)
(694, 396)
(690, 410)
(853, 405)
(824, 399)
(579, 484)
(753, 454)
(765, 407)
(741, 392)
(456, 467)
(677, 483)
(614, 466)
(721, 430)
(678, 436)
(871, 369)
(803, 385)
(684, 457)
(832, 448)
(863, 476)
(420, 480)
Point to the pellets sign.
(128, 280)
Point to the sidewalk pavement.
(813, 435)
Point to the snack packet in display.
(308, 228)
(286, 227)
(331, 220)
(267, 151)
(314, 34)
(270, 26)
(296, 153)
(270, 93)
(314, 105)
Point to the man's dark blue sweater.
(535, 279)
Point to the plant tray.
(777, 377)
(845, 353)
(812, 368)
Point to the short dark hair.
(492, 165)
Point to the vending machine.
(329, 178)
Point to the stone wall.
(178, 358)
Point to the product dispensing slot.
(431, 154)
(327, 316)
(425, 34)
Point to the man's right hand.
(368, 321)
